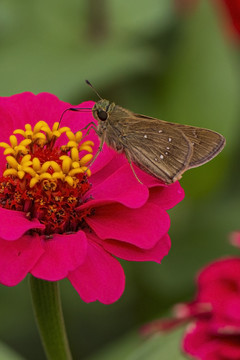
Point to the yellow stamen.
(30, 171)
(75, 165)
(55, 166)
(39, 126)
(36, 164)
(86, 148)
(74, 154)
(85, 159)
(33, 182)
(76, 171)
(66, 165)
(13, 140)
(56, 133)
(45, 176)
(45, 166)
(19, 131)
(4, 145)
(28, 134)
(28, 127)
(72, 144)
(70, 135)
(69, 180)
(12, 162)
(10, 172)
(88, 142)
(55, 126)
(21, 161)
(25, 159)
(58, 175)
(9, 151)
(78, 136)
(39, 136)
(21, 174)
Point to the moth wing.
(206, 144)
(156, 148)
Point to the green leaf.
(135, 347)
(162, 347)
(8, 354)
(47, 46)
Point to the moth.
(160, 148)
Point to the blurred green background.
(148, 57)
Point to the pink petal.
(105, 156)
(230, 350)
(147, 179)
(235, 238)
(29, 108)
(219, 283)
(141, 227)
(100, 277)
(119, 187)
(62, 254)
(202, 344)
(228, 268)
(167, 196)
(199, 343)
(17, 258)
(115, 163)
(233, 307)
(132, 253)
(13, 224)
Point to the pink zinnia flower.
(60, 219)
(214, 332)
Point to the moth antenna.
(89, 84)
(71, 109)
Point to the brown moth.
(163, 149)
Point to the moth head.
(102, 109)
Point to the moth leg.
(97, 153)
(91, 123)
(92, 127)
(131, 165)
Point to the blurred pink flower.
(214, 331)
(235, 238)
(231, 14)
(57, 219)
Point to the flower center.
(44, 180)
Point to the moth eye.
(102, 115)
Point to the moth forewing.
(162, 152)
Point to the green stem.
(49, 317)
